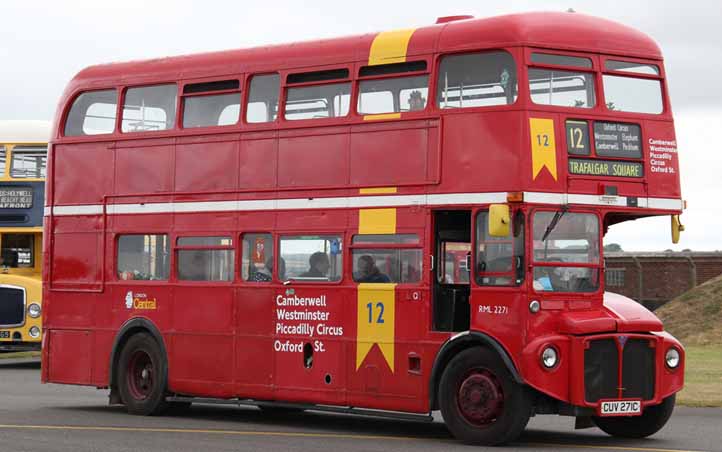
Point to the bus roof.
(24, 131)
(553, 30)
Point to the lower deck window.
(213, 262)
(143, 256)
(312, 258)
(387, 265)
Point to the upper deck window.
(318, 101)
(149, 108)
(561, 60)
(393, 95)
(208, 109)
(3, 153)
(562, 88)
(477, 80)
(263, 94)
(632, 94)
(92, 113)
(29, 162)
(631, 66)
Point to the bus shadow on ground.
(314, 422)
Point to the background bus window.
(29, 162)
(562, 88)
(92, 113)
(3, 154)
(205, 264)
(636, 95)
(262, 104)
(393, 95)
(144, 257)
(477, 80)
(312, 258)
(212, 110)
(17, 251)
(149, 108)
(320, 101)
(257, 258)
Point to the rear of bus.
(23, 157)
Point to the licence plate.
(4, 334)
(620, 408)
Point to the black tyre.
(650, 422)
(480, 401)
(142, 376)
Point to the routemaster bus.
(289, 226)
(23, 156)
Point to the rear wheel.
(479, 400)
(142, 374)
(650, 422)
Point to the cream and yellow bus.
(23, 163)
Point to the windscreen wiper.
(552, 224)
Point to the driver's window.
(499, 260)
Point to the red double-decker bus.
(391, 223)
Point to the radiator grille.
(12, 306)
(601, 370)
(638, 369)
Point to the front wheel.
(142, 374)
(480, 402)
(650, 422)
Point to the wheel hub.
(140, 375)
(480, 397)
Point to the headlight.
(672, 358)
(34, 310)
(549, 357)
(34, 332)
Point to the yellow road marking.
(610, 447)
(300, 435)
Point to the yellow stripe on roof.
(390, 47)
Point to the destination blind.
(613, 139)
(605, 168)
(16, 198)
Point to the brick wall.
(664, 276)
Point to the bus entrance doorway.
(452, 255)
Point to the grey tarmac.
(59, 418)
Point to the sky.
(43, 44)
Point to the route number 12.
(379, 308)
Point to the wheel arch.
(130, 328)
(459, 343)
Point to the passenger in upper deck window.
(416, 101)
(318, 266)
(369, 272)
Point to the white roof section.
(22, 131)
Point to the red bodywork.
(219, 337)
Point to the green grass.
(702, 377)
(17, 355)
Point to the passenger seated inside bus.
(264, 274)
(368, 272)
(318, 266)
(416, 101)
